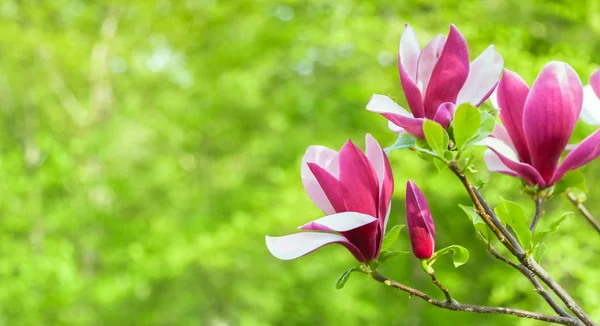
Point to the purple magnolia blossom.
(538, 123)
(437, 79)
(590, 113)
(420, 222)
(354, 191)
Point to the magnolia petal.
(585, 152)
(494, 163)
(358, 181)
(590, 112)
(299, 244)
(330, 187)
(395, 128)
(501, 134)
(396, 114)
(419, 222)
(328, 160)
(428, 59)
(339, 222)
(449, 74)
(595, 82)
(380, 162)
(494, 98)
(408, 57)
(444, 114)
(550, 114)
(512, 93)
(529, 174)
(484, 74)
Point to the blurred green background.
(148, 148)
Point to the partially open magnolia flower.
(354, 190)
(538, 124)
(437, 79)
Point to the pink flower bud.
(420, 223)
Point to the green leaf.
(540, 235)
(387, 255)
(404, 140)
(467, 121)
(344, 277)
(572, 179)
(487, 125)
(480, 226)
(391, 237)
(539, 251)
(460, 255)
(514, 215)
(436, 137)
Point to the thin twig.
(456, 306)
(531, 277)
(538, 213)
(583, 210)
(443, 288)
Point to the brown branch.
(538, 213)
(588, 216)
(443, 288)
(456, 306)
(531, 277)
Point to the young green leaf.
(487, 125)
(514, 215)
(539, 251)
(467, 121)
(391, 237)
(460, 255)
(572, 179)
(404, 140)
(344, 277)
(480, 226)
(436, 137)
(539, 236)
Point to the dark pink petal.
(550, 114)
(396, 114)
(484, 75)
(358, 181)
(299, 244)
(366, 239)
(420, 222)
(331, 187)
(328, 160)
(339, 222)
(585, 152)
(530, 175)
(408, 56)
(449, 74)
(381, 164)
(595, 82)
(444, 114)
(427, 60)
(511, 95)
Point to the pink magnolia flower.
(420, 222)
(437, 79)
(590, 113)
(538, 123)
(354, 191)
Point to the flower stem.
(583, 210)
(538, 213)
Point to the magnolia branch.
(487, 214)
(531, 277)
(583, 210)
(456, 306)
(443, 288)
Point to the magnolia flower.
(420, 222)
(436, 80)
(538, 123)
(354, 191)
(590, 113)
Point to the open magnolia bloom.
(538, 124)
(354, 190)
(590, 113)
(437, 79)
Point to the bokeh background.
(147, 147)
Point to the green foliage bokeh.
(148, 147)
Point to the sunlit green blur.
(147, 148)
